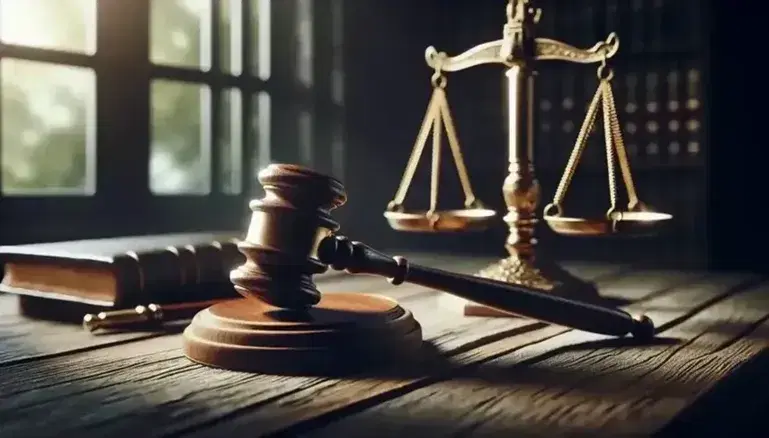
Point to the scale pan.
(630, 223)
(469, 219)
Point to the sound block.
(343, 333)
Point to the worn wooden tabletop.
(707, 373)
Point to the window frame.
(123, 203)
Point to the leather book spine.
(129, 279)
(214, 261)
(177, 274)
(231, 257)
(160, 275)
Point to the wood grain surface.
(578, 383)
(479, 376)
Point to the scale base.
(547, 276)
(344, 333)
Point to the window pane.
(337, 41)
(260, 38)
(48, 128)
(231, 36)
(304, 42)
(260, 128)
(305, 138)
(181, 138)
(230, 144)
(337, 150)
(68, 25)
(181, 33)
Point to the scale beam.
(545, 49)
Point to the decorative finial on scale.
(521, 11)
(518, 32)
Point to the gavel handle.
(357, 258)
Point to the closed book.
(124, 271)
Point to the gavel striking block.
(286, 326)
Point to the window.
(198, 48)
(47, 109)
(165, 109)
(337, 89)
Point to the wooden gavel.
(292, 236)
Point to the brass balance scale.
(518, 51)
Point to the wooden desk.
(706, 374)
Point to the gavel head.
(282, 239)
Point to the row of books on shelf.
(644, 26)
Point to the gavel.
(292, 237)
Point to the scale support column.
(521, 189)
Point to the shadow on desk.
(738, 403)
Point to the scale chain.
(608, 138)
(453, 140)
(615, 148)
(619, 144)
(579, 147)
(416, 153)
(437, 119)
(436, 161)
